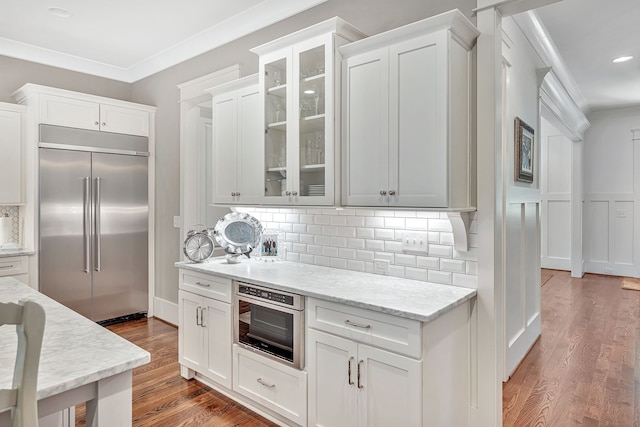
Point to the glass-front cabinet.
(298, 82)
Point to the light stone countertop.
(75, 350)
(4, 253)
(412, 299)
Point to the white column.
(577, 259)
(486, 394)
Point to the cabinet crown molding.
(30, 89)
(332, 25)
(453, 20)
(233, 85)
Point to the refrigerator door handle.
(87, 223)
(96, 213)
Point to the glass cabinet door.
(311, 98)
(276, 90)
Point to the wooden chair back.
(29, 318)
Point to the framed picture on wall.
(524, 151)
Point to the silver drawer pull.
(357, 325)
(206, 285)
(7, 266)
(266, 384)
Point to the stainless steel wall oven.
(271, 322)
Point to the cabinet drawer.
(277, 387)
(11, 266)
(206, 285)
(386, 331)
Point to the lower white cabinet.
(12, 119)
(278, 387)
(353, 384)
(16, 266)
(205, 337)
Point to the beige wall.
(371, 16)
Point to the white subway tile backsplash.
(384, 234)
(339, 220)
(406, 260)
(415, 273)
(375, 245)
(355, 265)
(429, 263)
(365, 233)
(340, 242)
(355, 221)
(394, 223)
(443, 277)
(441, 251)
(392, 246)
(440, 225)
(365, 255)
(353, 238)
(453, 265)
(416, 224)
(374, 222)
(347, 253)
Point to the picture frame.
(524, 151)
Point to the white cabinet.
(16, 266)
(12, 119)
(280, 388)
(205, 333)
(406, 98)
(237, 150)
(80, 113)
(351, 382)
(299, 86)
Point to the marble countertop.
(15, 252)
(412, 299)
(75, 350)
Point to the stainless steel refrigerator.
(93, 222)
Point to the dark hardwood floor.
(161, 397)
(583, 371)
(585, 368)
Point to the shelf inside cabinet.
(313, 78)
(278, 126)
(312, 123)
(277, 169)
(312, 168)
(280, 91)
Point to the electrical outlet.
(380, 266)
(415, 242)
(177, 221)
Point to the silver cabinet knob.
(233, 194)
(96, 123)
(392, 192)
(295, 193)
(104, 124)
(288, 193)
(383, 193)
(238, 194)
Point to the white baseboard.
(165, 310)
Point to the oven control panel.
(266, 295)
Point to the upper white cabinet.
(406, 97)
(12, 122)
(237, 143)
(71, 109)
(299, 81)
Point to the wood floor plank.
(585, 368)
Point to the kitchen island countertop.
(412, 299)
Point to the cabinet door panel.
(124, 120)
(366, 129)
(417, 124)
(251, 148)
(217, 326)
(225, 161)
(191, 338)
(75, 113)
(391, 392)
(332, 399)
(10, 163)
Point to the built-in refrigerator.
(93, 221)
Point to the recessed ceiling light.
(622, 59)
(60, 12)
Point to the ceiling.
(128, 40)
(588, 35)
